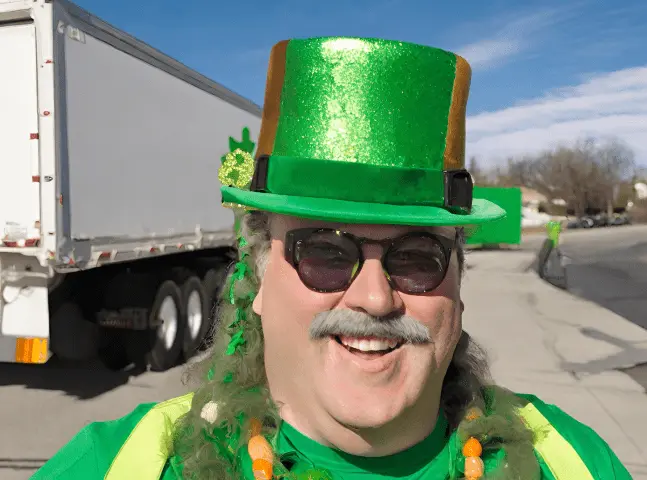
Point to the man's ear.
(462, 307)
(257, 304)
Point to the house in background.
(532, 199)
(533, 208)
(531, 203)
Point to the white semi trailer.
(113, 240)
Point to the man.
(340, 353)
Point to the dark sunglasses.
(328, 260)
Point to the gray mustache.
(351, 323)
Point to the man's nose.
(371, 293)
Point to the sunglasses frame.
(295, 238)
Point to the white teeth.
(366, 345)
(351, 342)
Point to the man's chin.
(359, 405)
(361, 421)
(358, 420)
(362, 392)
(364, 407)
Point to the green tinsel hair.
(235, 374)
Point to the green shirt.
(428, 459)
(89, 454)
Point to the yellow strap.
(560, 457)
(146, 450)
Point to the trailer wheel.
(196, 311)
(160, 348)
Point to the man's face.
(332, 376)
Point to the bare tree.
(585, 175)
(616, 166)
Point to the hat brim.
(342, 211)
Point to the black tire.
(153, 348)
(194, 334)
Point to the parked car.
(600, 220)
(581, 222)
(620, 219)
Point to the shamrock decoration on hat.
(238, 165)
(237, 169)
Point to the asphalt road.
(607, 266)
(44, 406)
(611, 271)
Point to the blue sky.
(543, 72)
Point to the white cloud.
(487, 53)
(510, 39)
(606, 105)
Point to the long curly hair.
(233, 388)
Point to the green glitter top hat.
(363, 131)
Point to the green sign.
(504, 231)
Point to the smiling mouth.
(368, 347)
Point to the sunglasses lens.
(327, 261)
(416, 264)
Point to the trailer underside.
(152, 312)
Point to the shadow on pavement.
(617, 281)
(83, 381)
(628, 352)
(638, 373)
